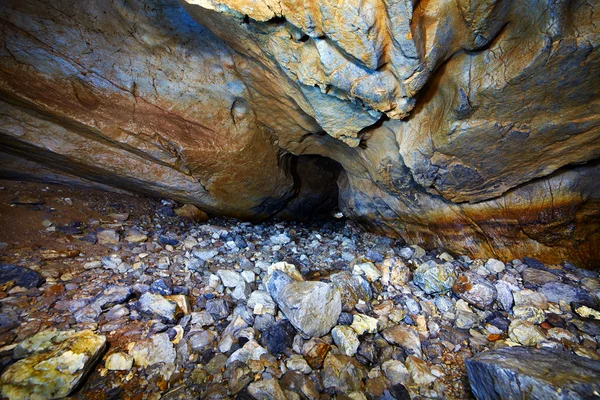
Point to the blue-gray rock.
(161, 287)
(22, 276)
(276, 338)
(523, 372)
(434, 278)
(556, 291)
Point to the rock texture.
(521, 372)
(474, 125)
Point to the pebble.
(345, 339)
(434, 278)
(156, 306)
(525, 333)
(118, 362)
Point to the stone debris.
(281, 310)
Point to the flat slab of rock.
(523, 372)
(22, 276)
(57, 362)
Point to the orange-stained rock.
(192, 212)
(470, 125)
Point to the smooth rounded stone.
(404, 336)
(113, 295)
(525, 333)
(267, 389)
(192, 213)
(297, 363)
(345, 339)
(395, 371)
(201, 341)
(21, 276)
(157, 349)
(345, 319)
(419, 371)
(352, 288)
(362, 323)
(156, 306)
(538, 277)
(312, 307)
(505, 296)
(530, 298)
(523, 372)
(494, 266)
(369, 270)
(56, 363)
(278, 337)
(475, 290)
(107, 237)
(406, 253)
(434, 278)
(342, 374)
(118, 362)
(218, 308)
(250, 351)
(261, 303)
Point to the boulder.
(522, 372)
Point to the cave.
(231, 199)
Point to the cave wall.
(474, 126)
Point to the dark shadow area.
(315, 191)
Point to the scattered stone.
(280, 239)
(107, 237)
(363, 323)
(475, 290)
(538, 277)
(21, 276)
(158, 349)
(396, 372)
(521, 372)
(135, 236)
(345, 339)
(57, 362)
(419, 371)
(434, 278)
(268, 389)
(278, 337)
(118, 362)
(342, 374)
(525, 333)
(261, 303)
(494, 266)
(369, 270)
(156, 306)
(352, 288)
(406, 337)
(203, 340)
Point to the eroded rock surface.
(472, 125)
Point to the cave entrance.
(316, 190)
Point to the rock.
(475, 290)
(135, 236)
(538, 277)
(519, 372)
(218, 308)
(525, 333)
(494, 266)
(161, 287)
(505, 296)
(89, 313)
(107, 237)
(297, 363)
(192, 213)
(157, 349)
(342, 374)
(238, 376)
(205, 255)
(369, 270)
(288, 269)
(406, 337)
(118, 362)
(261, 303)
(56, 363)
(21, 276)
(419, 371)
(363, 323)
(278, 337)
(556, 291)
(345, 339)
(434, 278)
(312, 307)
(280, 239)
(250, 351)
(352, 289)
(314, 351)
(156, 306)
(396, 372)
(112, 295)
(466, 319)
(268, 389)
(201, 341)
(529, 298)
(230, 278)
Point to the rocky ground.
(115, 297)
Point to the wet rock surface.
(191, 312)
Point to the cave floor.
(183, 308)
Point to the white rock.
(362, 323)
(119, 362)
(345, 339)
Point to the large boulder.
(524, 372)
(472, 124)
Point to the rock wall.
(469, 125)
